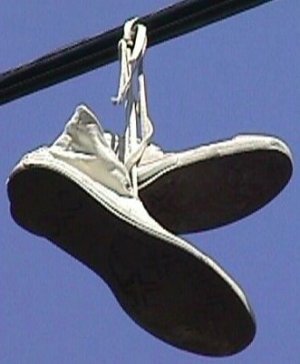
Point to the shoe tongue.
(86, 133)
(83, 145)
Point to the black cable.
(89, 54)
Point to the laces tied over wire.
(132, 93)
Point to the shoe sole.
(223, 183)
(165, 285)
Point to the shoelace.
(132, 92)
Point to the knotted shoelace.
(132, 93)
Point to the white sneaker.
(212, 185)
(201, 188)
(76, 194)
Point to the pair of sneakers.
(78, 194)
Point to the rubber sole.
(177, 296)
(216, 191)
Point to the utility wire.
(89, 54)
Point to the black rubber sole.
(165, 289)
(217, 191)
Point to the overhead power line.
(97, 51)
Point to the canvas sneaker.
(211, 185)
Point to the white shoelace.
(132, 93)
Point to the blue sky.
(237, 76)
